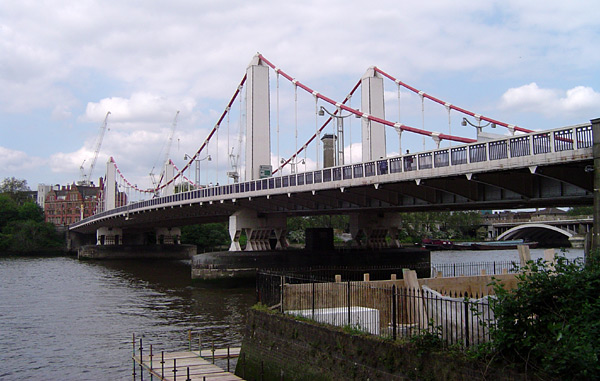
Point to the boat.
(437, 244)
(501, 245)
(444, 244)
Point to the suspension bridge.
(522, 168)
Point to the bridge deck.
(177, 364)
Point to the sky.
(65, 64)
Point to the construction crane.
(155, 183)
(234, 159)
(85, 178)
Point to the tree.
(27, 236)
(206, 236)
(23, 230)
(581, 211)
(9, 210)
(549, 322)
(17, 189)
(13, 185)
(31, 211)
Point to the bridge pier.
(259, 231)
(109, 236)
(168, 236)
(376, 227)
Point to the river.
(61, 318)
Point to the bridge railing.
(537, 143)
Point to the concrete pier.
(243, 264)
(136, 252)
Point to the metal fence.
(379, 308)
(474, 268)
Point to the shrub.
(549, 322)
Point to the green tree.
(28, 236)
(23, 230)
(581, 211)
(297, 225)
(31, 211)
(206, 236)
(16, 188)
(549, 322)
(9, 210)
(13, 185)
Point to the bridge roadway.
(541, 169)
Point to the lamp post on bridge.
(339, 143)
(293, 165)
(478, 126)
(197, 169)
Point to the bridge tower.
(110, 186)
(372, 102)
(258, 138)
(169, 174)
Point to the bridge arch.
(542, 233)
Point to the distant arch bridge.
(548, 233)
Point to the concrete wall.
(278, 347)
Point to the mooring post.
(133, 356)
(228, 358)
(151, 359)
(162, 365)
(213, 352)
(175, 369)
(141, 348)
(190, 340)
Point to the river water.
(61, 318)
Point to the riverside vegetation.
(22, 227)
(549, 323)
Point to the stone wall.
(278, 347)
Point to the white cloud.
(140, 107)
(75, 61)
(580, 100)
(16, 161)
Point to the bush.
(550, 322)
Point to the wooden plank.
(524, 254)
(199, 368)
(417, 311)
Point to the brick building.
(71, 203)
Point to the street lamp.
(293, 164)
(478, 126)
(197, 169)
(339, 143)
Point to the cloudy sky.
(64, 64)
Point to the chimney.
(328, 150)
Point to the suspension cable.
(461, 110)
